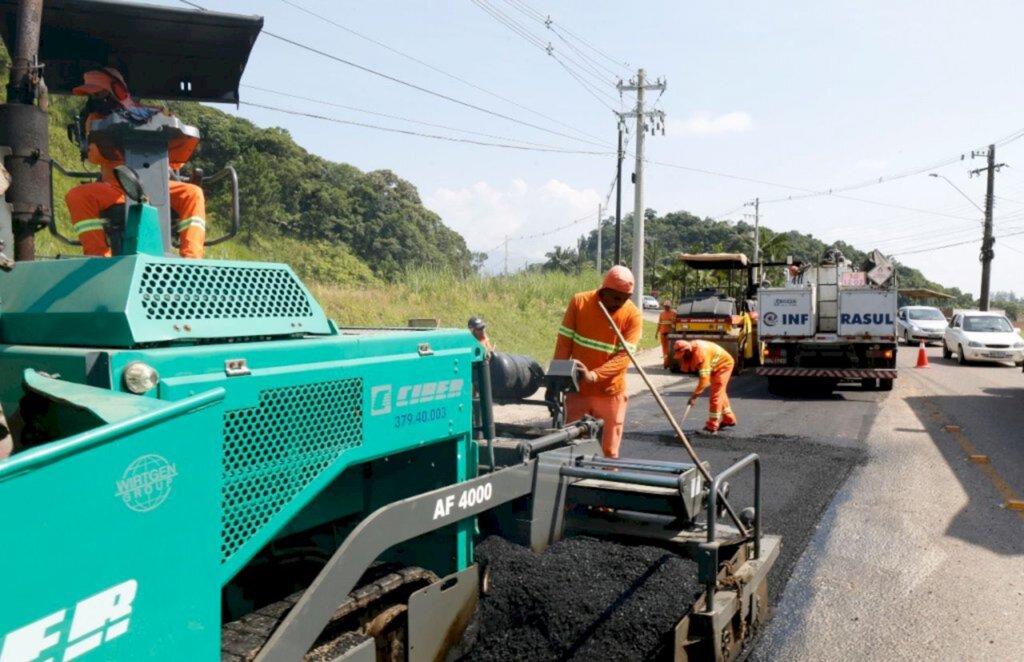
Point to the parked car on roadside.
(917, 323)
(974, 335)
(650, 303)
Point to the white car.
(982, 336)
(917, 323)
(650, 303)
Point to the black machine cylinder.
(24, 130)
(514, 376)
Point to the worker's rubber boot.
(711, 426)
(728, 420)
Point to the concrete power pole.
(756, 204)
(640, 86)
(987, 239)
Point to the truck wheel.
(946, 354)
(885, 384)
(868, 383)
(960, 355)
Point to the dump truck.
(207, 467)
(832, 322)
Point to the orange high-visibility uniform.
(85, 202)
(485, 341)
(713, 366)
(665, 322)
(586, 336)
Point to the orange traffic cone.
(922, 357)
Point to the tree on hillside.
(561, 259)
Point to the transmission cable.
(292, 95)
(530, 12)
(469, 141)
(436, 69)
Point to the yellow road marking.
(1008, 494)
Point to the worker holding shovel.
(713, 366)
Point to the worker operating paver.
(586, 336)
(665, 322)
(713, 366)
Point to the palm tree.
(560, 259)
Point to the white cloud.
(703, 124)
(484, 214)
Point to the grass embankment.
(522, 311)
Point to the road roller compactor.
(207, 467)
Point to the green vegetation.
(330, 220)
(522, 311)
(375, 252)
(681, 232)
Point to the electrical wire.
(436, 69)
(292, 95)
(530, 12)
(425, 90)
(563, 59)
(419, 134)
(776, 184)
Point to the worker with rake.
(586, 336)
(713, 366)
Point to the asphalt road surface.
(897, 509)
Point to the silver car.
(917, 323)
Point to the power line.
(959, 243)
(563, 59)
(291, 95)
(436, 69)
(549, 22)
(425, 90)
(422, 135)
(796, 188)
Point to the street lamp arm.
(976, 206)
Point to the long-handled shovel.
(675, 426)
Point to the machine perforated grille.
(273, 451)
(201, 291)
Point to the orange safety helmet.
(105, 82)
(681, 348)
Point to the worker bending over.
(108, 94)
(665, 323)
(713, 366)
(586, 336)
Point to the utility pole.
(756, 204)
(640, 86)
(599, 210)
(987, 239)
(23, 122)
(618, 201)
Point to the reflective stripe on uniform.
(194, 221)
(88, 225)
(584, 341)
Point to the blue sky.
(810, 95)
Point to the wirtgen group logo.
(146, 482)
